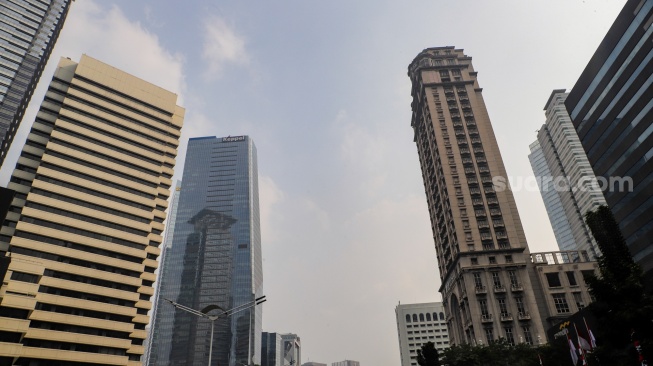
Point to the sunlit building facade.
(84, 229)
(482, 254)
(215, 258)
(28, 32)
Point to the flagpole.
(583, 353)
(590, 335)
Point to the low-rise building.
(418, 324)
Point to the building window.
(428, 317)
(503, 307)
(509, 335)
(560, 301)
(578, 299)
(421, 317)
(508, 259)
(407, 318)
(527, 335)
(512, 275)
(415, 318)
(489, 335)
(496, 280)
(442, 316)
(553, 279)
(493, 260)
(474, 261)
(478, 282)
(483, 305)
(572, 278)
(520, 305)
(586, 274)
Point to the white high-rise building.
(418, 324)
(572, 174)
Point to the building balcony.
(481, 290)
(461, 90)
(462, 142)
(469, 114)
(501, 235)
(469, 161)
(458, 124)
(455, 115)
(506, 317)
(480, 213)
(495, 212)
(517, 287)
(476, 141)
(483, 225)
(524, 315)
(499, 289)
(448, 92)
(486, 318)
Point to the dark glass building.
(28, 32)
(611, 108)
(215, 258)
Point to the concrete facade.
(85, 226)
(418, 324)
(482, 254)
(559, 282)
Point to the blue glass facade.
(215, 258)
(612, 110)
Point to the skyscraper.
(572, 177)
(84, 229)
(480, 243)
(215, 258)
(611, 106)
(28, 32)
(418, 324)
(551, 198)
(167, 242)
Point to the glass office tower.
(28, 31)
(611, 106)
(215, 258)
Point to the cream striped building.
(84, 230)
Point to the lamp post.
(223, 314)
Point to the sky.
(322, 88)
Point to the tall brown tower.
(482, 253)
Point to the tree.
(428, 355)
(621, 305)
(502, 353)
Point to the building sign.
(233, 139)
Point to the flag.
(589, 332)
(582, 343)
(572, 349)
(540, 358)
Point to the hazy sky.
(321, 87)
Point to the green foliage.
(428, 355)
(620, 302)
(502, 353)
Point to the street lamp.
(223, 314)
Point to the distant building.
(611, 106)
(312, 364)
(418, 324)
(280, 349)
(292, 350)
(551, 198)
(559, 284)
(571, 179)
(346, 363)
(271, 349)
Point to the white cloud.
(108, 35)
(222, 46)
